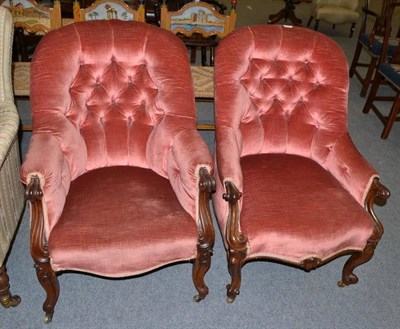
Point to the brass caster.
(230, 300)
(197, 298)
(13, 301)
(48, 318)
(341, 284)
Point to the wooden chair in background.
(109, 9)
(388, 73)
(199, 24)
(371, 40)
(31, 21)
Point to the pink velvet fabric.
(113, 93)
(283, 90)
(126, 229)
(294, 209)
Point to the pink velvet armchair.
(118, 178)
(290, 184)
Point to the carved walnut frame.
(237, 241)
(47, 276)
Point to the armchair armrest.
(47, 169)
(188, 163)
(228, 157)
(351, 169)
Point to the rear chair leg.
(6, 299)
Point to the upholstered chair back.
(275, 97)
(109, 104)
(112, 94)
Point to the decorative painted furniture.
(31, 21)
(108, 9)
(388, 73)
(335, 12)
(291, 185)
(201, 19)
(11, 189)
(117, 175)
(372, 42)
(287, 13)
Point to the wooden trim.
(39, 248)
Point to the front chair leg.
(6, 299)
(316, 26)
(377, 192)
(310, 20)
(352, 28)
(48, 280)
(356, 259)
(39, 249)
(235, 263)
(236, 241)
(200, 267)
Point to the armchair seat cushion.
(293, 209)
(148, 226)
(337, 15)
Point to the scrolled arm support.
(378, 193)
(39, 247)
(205, 225)
(235, 238)
(206, 234)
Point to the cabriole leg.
(357, 259)
(49, 282)
(200, 267)
(235, 263)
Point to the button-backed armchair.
(118, 178)
(335, 12)
(11, 189)
(290, 184)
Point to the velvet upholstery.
(281, 139)
(116, 152)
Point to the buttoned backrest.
(111, 96)
(281, 90)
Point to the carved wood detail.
(39, 249)
(377, 193)
(236, 241)
(206, 234)
(6, 299)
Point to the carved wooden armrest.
(205, 225)
(378, 194)
(234, 237)
(34, 195)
